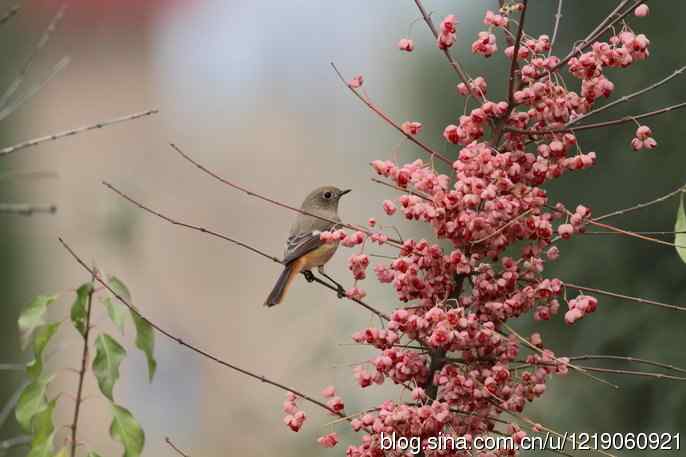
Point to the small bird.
(304, 248)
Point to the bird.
(304, 248)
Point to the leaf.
(32, 316)
(120, 288)
(108, 356)
(145, 335)
(63, 453)
(79, 313)
(145, 341)
(680, 226)
(127, 431)
(116, 311)
(31, 402)
(41, 339)
(43, 430)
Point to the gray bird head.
(324, 198)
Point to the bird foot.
(309, 276)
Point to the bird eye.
(328, 195)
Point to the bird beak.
(343, 192)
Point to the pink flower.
(405, 44)
(329, 440)
(389, 207)
(356, 82)
(328, 392)
(642, 10)
(411, 128)
(565, 231)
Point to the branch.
(453, 62)
(236, 242)
(624, 297)
(193, 348)
(40, 44)
(558, 17)
(628, 97)
(512, 80)
(628, 359)
(56, 136)
(11, 403)
(391, 122)
(634, 234)
(621, 120)
(176, 449)
(620, 212)
(82, 371)
(26, 209)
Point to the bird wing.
(300, 244)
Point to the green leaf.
(145, 335)
(43, 430)
(42, 337)
(79, 313)
(32, 401)
(32, 316)
(145, 341)
(127, 431)
(108, 356)
(116, 311)
(680, 226)
(120, 288)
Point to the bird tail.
(282, 284)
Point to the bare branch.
(453, 61)
(628, 359)
(620, 212)
(192, 347)
(390, 121)
(512, 80)
(56, 136)
(558, 17)
(624, 297)
(175, 448)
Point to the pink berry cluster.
(445, 343)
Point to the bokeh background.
(246, 88)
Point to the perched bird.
(304, 248)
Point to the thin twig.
(85, 128)
(40, 44)
(192, 347)
(250, 193)
(390, 121)
(401, 189)
(634, 234)
(635, 373)
(620, 212)
(623, 297)
(175, 448)
(512, 79)
(628, 359)
(446, 51)
(82, 370)
(628, 97)
(503, 227)
(597, 125)
(558, 17)
(237, 243)
(26, 209)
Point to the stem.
(453, 62)
(558, 17)
(56, 136)
(629, 359)
(175, 448)
(620, 212)
(624, 297)
(82, 371)
(391, 122)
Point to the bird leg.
(309, 276)
(340, 290)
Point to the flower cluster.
(294, 418)
(448, 343)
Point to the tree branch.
(624, 297)
(190, 346)
(56, 136)
(391, 122)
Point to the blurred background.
(245, 87)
